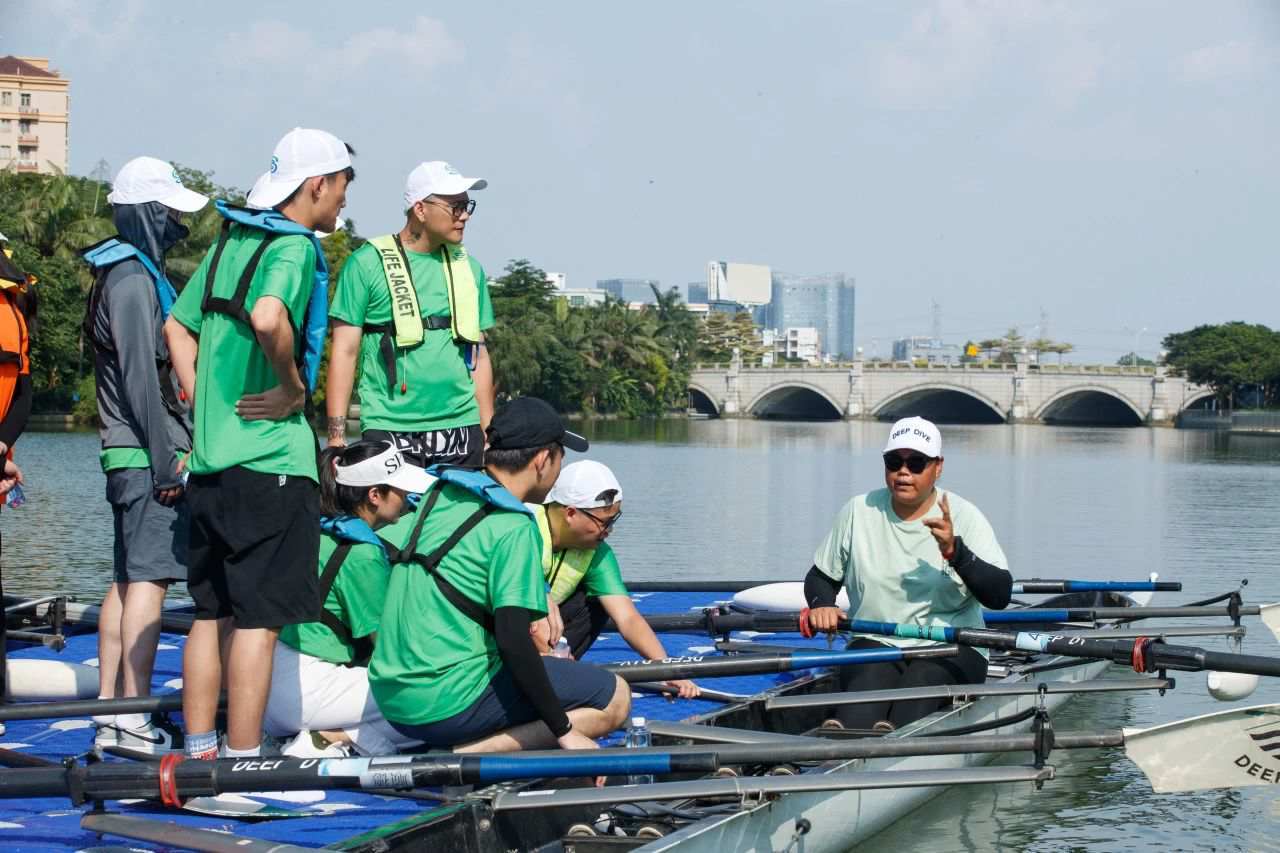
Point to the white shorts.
(314, 694)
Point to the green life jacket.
(408, 325)
(565, 569)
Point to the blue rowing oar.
(1036, 586)
(1143, 654)
(699, 666)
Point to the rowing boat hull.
(838, 821)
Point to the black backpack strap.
(431, 561)
(234, 307)
(212, 273)
(362, 646)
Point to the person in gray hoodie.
(146, 434)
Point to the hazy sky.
(1112, 164)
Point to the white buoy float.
(35, 680)
(784, 596)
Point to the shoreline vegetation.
(602, 360)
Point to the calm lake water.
(729, 500)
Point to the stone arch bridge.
(990, 393)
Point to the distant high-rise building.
(631, 289)
(746, 284)
(823, 302)
(930, 349)
(35, 112)
(697, 293)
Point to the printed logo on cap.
(914, 431)
(392, 463)
(174, 174)
(275, 163)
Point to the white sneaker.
(308, 744)
(149, 738)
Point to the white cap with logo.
(581, 484)
(436, 177)
(146, 179)
(300, 154)
(388, 468)
(915, 434)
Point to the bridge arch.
(935, 400)
(703, 400)
(795, 399)
(1198, 397)
(1089, 403)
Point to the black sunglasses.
(916, 463)
(604, 525)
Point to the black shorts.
(255, 540)
(462, 446)
(503, 705)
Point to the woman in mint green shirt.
(320, 681)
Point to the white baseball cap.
(915, 434)
(388, 468)
(302, 153)
(582, 483)
(436, 177)
(145, 179)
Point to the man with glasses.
(413, 307)
(908, 553)
(582, 571)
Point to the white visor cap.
(147, 179)
(581, 484)
(436, 177)
(388, 468)
(915, 434)
(302, 153)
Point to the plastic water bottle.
(562, 649)
(638, 736)
(15, 496)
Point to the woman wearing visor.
(320, 679)
(908, 553)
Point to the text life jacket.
(349, 531)
(408, 325)
(314, 326)
(105, 254)
(564, 569)
(496, 499)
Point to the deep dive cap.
(388, 468)
(146, 179)
(530, 422)
(915, 434)
(581, 484)
(436, 177)
(302, 153)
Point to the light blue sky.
(1112, 163)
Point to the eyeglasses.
(605, 524)
(916, 463)
(457, 208)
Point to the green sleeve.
(287, 273)
(187, 309)
(604, 577)
(362, 588)
(485, 305)
(832, 556)
(351, 300)
(972, 526)
(515, 571)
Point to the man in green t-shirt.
(912, 554)
(455, 665)
(252, 491)
(409, 315)
(582, 570)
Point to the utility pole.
(101, 172)
(1044, 324)
(937, 322)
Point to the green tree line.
(1231, 358)
(603, 359)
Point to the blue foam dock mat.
(51, 824)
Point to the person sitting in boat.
(455, 664)
(320, 679)
(908, 553)
(582, 570)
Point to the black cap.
(530, 422)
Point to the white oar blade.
(1271, 618)
(1230, 749)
